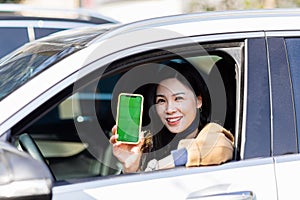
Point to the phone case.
(129, 117)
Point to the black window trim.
(283, 109)
(257, 101)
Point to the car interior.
(71, 131)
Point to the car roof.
(27, 12)
(213, 22)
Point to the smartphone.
(129, 117)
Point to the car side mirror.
(21, 176)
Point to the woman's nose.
(171, 108)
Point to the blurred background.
(132, 10)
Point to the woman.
(182, 105)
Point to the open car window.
(71, 131)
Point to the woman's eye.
(160, 101)
(178, 98)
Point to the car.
(58, 106)
(23, 23)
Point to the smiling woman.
(182, 104)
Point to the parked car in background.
(21, 23)
(58, 97)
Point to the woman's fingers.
(114, 129)
(114, 137)
(141, 139)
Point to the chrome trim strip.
(287, 158)
(244, 108)
(238, 97)
(30, 32)
(42, 23)
(271, 96)
(283, 33)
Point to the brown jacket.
(212, 146)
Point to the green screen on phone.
(129, 117)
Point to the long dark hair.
(188, 75)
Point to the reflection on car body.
(60, 109)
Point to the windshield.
(21, 65)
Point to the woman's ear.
(199, 101)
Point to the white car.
(58, 98)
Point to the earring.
(200, 109)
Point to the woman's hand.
(128, 154)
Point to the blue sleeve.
(179, 156)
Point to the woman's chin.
(175, 130)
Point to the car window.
(283, 133)
(72, 134)
(11, 38)
(256, 119)
(42, 32)
(293, 48)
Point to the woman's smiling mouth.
(172, 121)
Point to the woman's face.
(176, 105)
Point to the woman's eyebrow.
(159, 95)
(178, 93)
(175, 94)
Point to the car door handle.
(240, 195)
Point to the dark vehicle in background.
(20, 24)
(58, 97)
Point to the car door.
(284, 70)
(71, 130)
